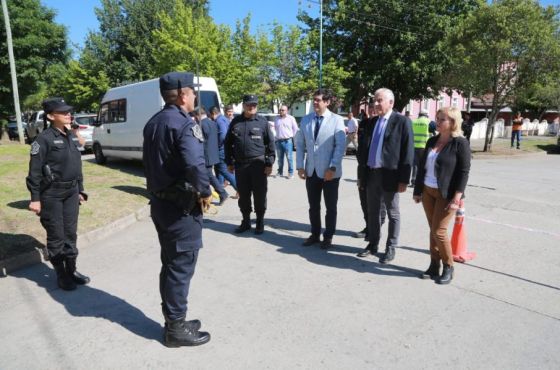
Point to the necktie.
(375, 142)
(318, 121)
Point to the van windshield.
(209, 99)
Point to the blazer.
(452, 167)
(211, 141)
(325, 152)
(397, 152)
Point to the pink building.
(432, 106)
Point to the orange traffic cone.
(459, 238)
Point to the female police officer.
(56, 185)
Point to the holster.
(182, 194)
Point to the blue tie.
(375, 142)
(318, 121)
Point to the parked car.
(12, 129)
(36, 125)
(85, 123)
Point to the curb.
(500, 156)
(84, 240)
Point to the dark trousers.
(222, 172)
(315, 186)
(251, 180)
(516, 135)
(217, 185)
(59, 217)
(177, 270)
(376, 196)
(362, 191)
(418, 153)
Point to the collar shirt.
(286, 127)
(379, 149)
(352, 126)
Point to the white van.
(125, 110)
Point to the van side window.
(113, 111)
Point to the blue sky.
(78, 15)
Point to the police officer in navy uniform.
(178, 183)
(55, 182)
(249, 149)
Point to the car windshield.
(88, 121)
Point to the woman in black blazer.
(440, 185)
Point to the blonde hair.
(455, 119)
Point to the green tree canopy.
(39, 44)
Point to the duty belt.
(64, 184)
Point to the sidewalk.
(271, 303)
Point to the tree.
(396, 44)
(39, 43)
(502, 49)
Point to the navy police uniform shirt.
(249, 138)
(173, 151)
(60, 152)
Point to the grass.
(115, 190)
(529, 144)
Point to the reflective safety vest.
(421, 129)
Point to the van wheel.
(98, 152)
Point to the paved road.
(270, 303)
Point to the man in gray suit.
(320, 143)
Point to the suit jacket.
(327, 151)
(452, 167)
(211, 141)
(397, 152)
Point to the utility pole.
(321, 46)
(13, 70)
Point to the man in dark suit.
(389, 157)
(211, 150)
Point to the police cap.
(176, 80)
(250, 99)
(56, 105)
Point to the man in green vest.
(420, 128)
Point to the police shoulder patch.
(35, 146)
(197, 132)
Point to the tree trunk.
(490, 131)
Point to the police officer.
(55, 182)
(249, 150)
(173, 156)
(421, 130)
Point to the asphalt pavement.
(270, 303)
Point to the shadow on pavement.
(17, 244)
(136, 190)
(87, 301)
(289, 225)
(291, 244)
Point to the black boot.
(75, 275)
(179, 333)
(259, 226)
(62, 278)
(446, 275)
(388, 256)
(245, 224)
(433, 271)
(194, 325)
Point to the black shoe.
(432, 272)
(368, 251)
(311, 240)
(63, 280)
(361, 234)
(194, 325)
(223, 200)
(326, 243)
(446, 275)
(259, 226)
(179, 333)
(78, 278)
(245, 225)
(388, 256)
